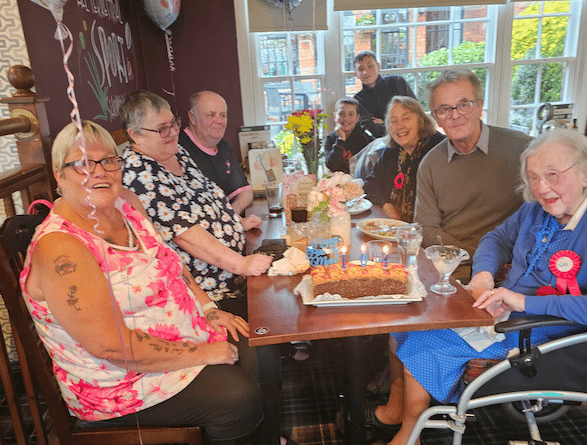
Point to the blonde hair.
(67, 138)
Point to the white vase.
(341, 225)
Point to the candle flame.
(363, 248)
(385, 249)
(343, 249)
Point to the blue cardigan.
(512, 241)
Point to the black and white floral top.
(176, 203)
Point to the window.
(290, 71)
(541, 53)
(416, 41)
(525, 53)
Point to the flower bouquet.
(329, 197)
(308, 127)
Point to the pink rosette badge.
(565, 265)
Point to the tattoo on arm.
(64, 265)
(212, 316)
(161, 345)
(187, 278)
(72, 298)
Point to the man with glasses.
(203, 139)
(467, 184)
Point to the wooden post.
(29, 115)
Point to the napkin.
(294, 261)
(480, 338)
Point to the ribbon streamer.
(170, 58)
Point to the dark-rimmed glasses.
(463, 109)
(164, 132)
(550, 178)
(110, 164)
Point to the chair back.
(15, 236)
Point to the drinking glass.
(273, 194)
(375, 250)
(409, 239)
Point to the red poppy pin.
(399, 180)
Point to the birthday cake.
(358, 281)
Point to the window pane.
(524, 79)
(550, 7)
(554, 33)
(272, 52)
(352, 86)
(394, 48)
(277, 101)
(524, 37)
(552, 87)
(394, 16)
(304, 58)
(521, 119)
(307, 94)
(359, 18)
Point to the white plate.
(374, 226)
(416, 291)
(362, 206)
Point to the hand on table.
(481, 282)
(250, 222)
(217, 319)
(255, 265)
(497, 301)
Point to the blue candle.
(343, 257)
(363, 257)
(385, 257)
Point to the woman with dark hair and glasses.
(131, 335)
(195, 218)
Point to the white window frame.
(499, 66)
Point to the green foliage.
(466, 52)
(367, 19)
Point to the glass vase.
(341, 225)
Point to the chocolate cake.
(357, 281)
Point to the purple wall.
(204, 47)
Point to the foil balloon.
(55, 6)
(162, 12)
(289, 5)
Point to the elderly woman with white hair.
(545, 241)
(410, 135)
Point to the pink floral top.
(152, 297)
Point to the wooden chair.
(36, 365)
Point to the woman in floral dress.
(131, 335)
(195, 219)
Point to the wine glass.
(445, 260)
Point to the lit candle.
(343, 257)
(386, 257)
(363, 257)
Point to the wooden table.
(276, 315)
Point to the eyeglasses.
(164, 132)
(550, 178)
(463, 108)
(110, 164)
